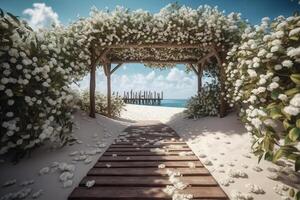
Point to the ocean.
(179, 103)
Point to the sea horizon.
(177, 103)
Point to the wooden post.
(199, 75)
(222, 82)
(107, 68)
(92, 91)
(93, 86)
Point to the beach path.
(140, 165)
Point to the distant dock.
(142, 97)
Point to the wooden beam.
(116, 67)
(155, 45)
(193, 68)
(155, 61)
(102, 57)
(206, 57)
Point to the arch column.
(220, 60)
(92, 85)
(198, 70)
(108, 72)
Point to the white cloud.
(176, 75)
(150, 76)
(41, 16)
(175, 84)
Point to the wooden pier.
(142, 97)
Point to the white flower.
(294, 31)
(45, 84)
(90, 183)
(252, 73)
(10, 102)
(273, 86)
(279, 34)
(261, 89)
(4, 80)
(9, 114)
(278, 67)
(287, 63)
(293, 52)
(256, 122)
(274, 49)
(256, 65)
(282, 97)
(291, 110)
(6, 72)
(9, 93)
(262, 81)
(19, 67)
(295, 101)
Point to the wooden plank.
(145, 171)
(124, 153)
(131, 142)
(148, 181)
(148, 158)
(147, 164)
(147, 145)
(136, 149)
(140, 193)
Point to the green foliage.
(263, 78)
(117, 104)
(35, 74)
(206, 103)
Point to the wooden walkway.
(129, 170)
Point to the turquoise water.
(179, 103)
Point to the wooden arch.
(197, 65)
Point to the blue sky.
(175, 83)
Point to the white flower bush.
(207, 101)
(36, 70)
(263, 79)
(117, 104)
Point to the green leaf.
(294, 134)
(297, 164)
(275, 113)
(294, 38)
(298, 123)
(292, 91)
(291, 192)
(274, 95)
(14, 18)
(295, 78)
(287, 125)
(1, 13)
(297, 197)
(272, 105)
(268, 156)
(278, 155)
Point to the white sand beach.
(221, 144)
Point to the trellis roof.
(176, 34)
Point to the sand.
(222, 144)
(28, 168)
(227, 147)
